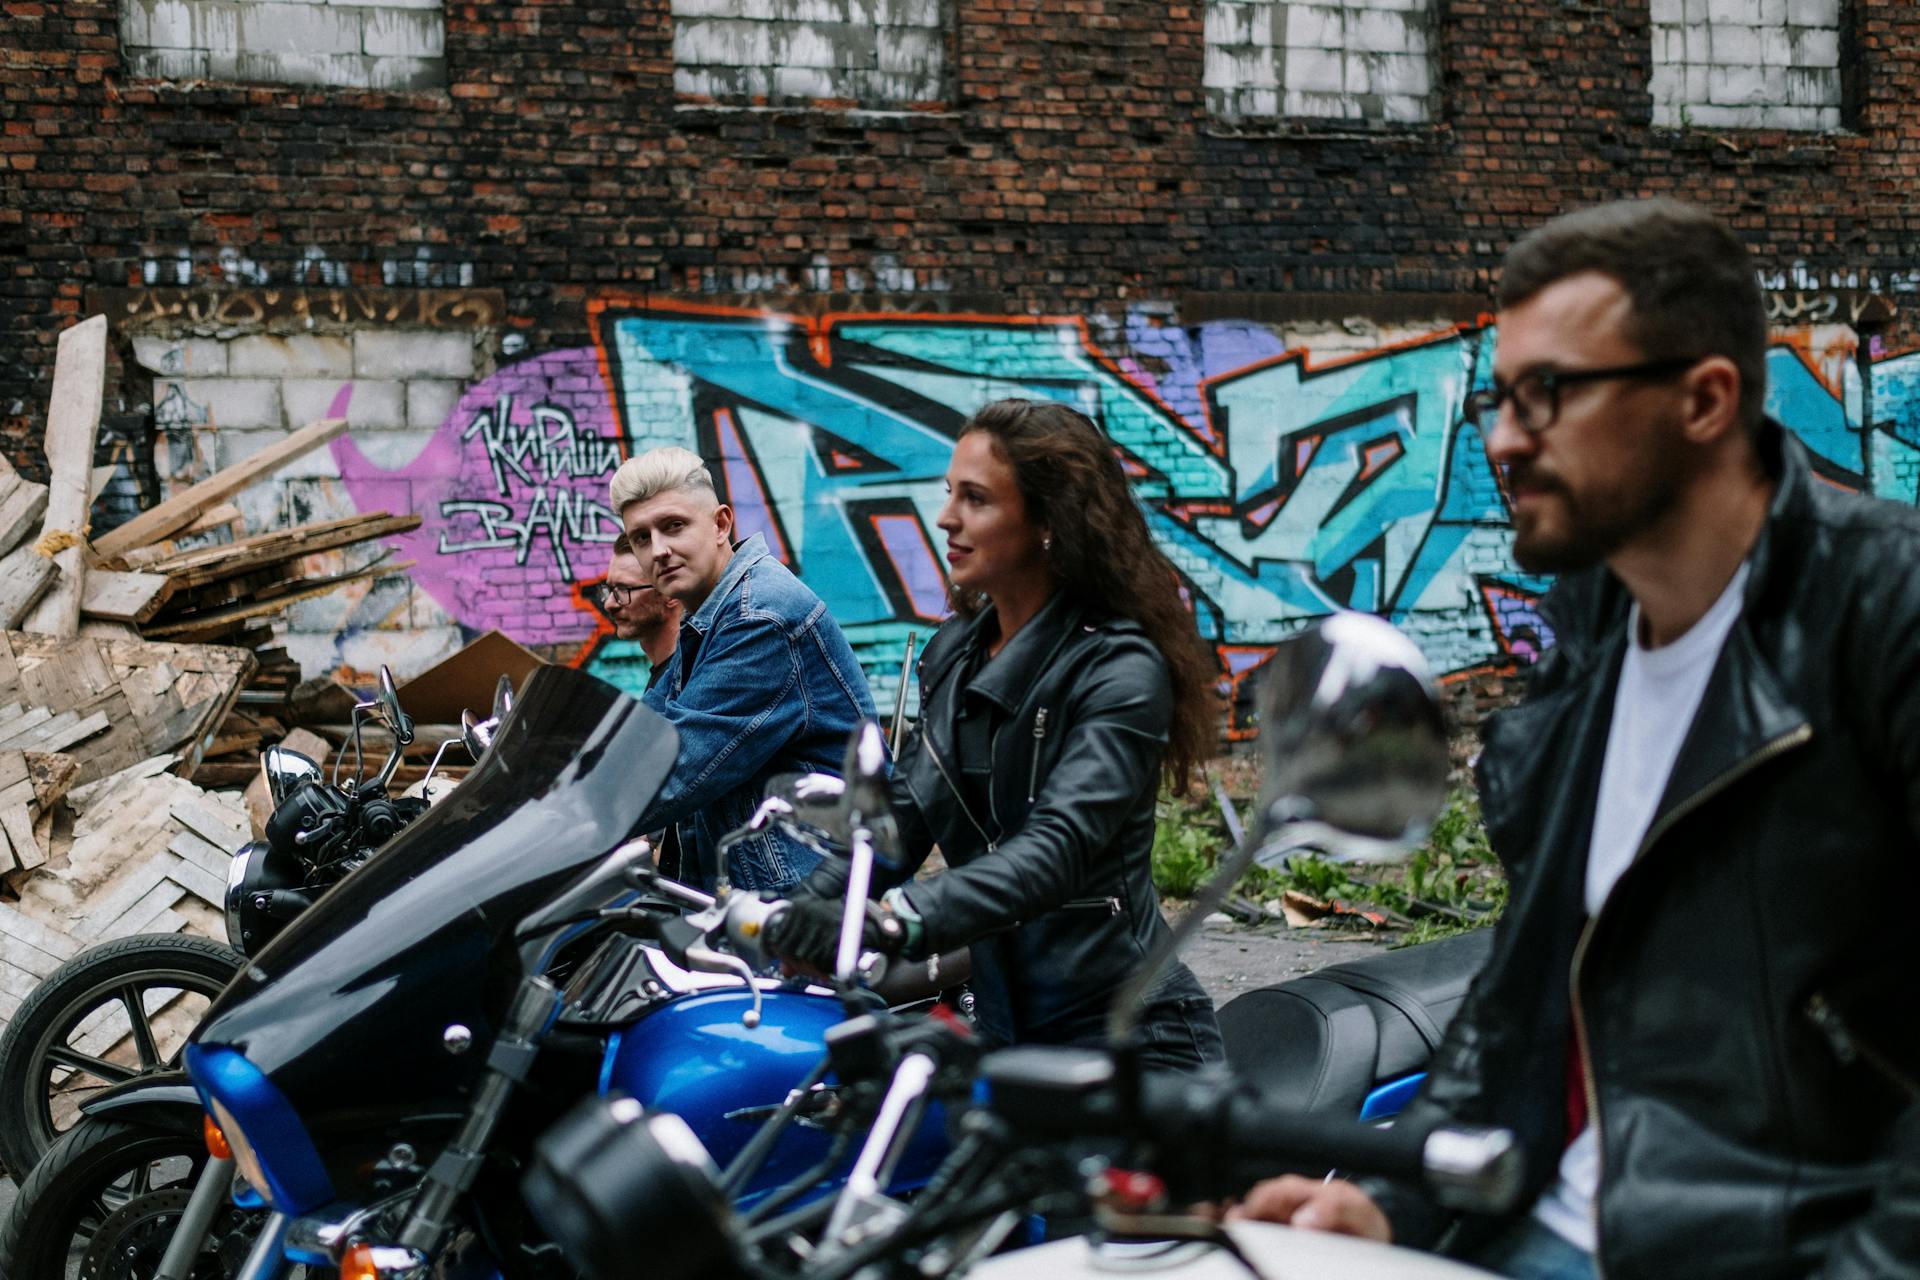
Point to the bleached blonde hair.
(659, 471)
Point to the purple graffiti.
(512, 492)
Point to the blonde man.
(761, 683)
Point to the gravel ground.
(1232, 958)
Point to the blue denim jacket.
(773, 688)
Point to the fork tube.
(264, 1261)
(208, 1193)
(853, 921)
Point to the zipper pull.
(1113, 906)
(1039, 724)
(1830, 1025)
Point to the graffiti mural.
(1282, 484)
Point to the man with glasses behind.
(637, 610)
(1703, 1037)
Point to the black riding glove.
(807, 932)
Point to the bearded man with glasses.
(1704, 1040)
(637, 609)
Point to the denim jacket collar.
(745, 556)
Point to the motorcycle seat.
(1322, 1042)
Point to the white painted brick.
(1665, 84)
(1229, 24)
(1813, 13)
(1735, 45)
(1773, 13)
(406, 73)
(406, 33)
(1812, 47)
(273, 27)
(1400, 75)
(300, 356)
(1315, 71)
(386, 4)
(722, 42)
(412, 353)
(341, 69)
(167, 24)
(1378, 32)
(431, 402)
(1776, 47)
(1400, 109)
(1667, 11)
(1734, 12)
(392, 449)
(229, 402)
(376, 403)
(167, 64)
(1736, 87)
(199, 357)
(1698, 11)
(1697, 82)
(1812, 87)
(237, 446)
(805, 83)
(1699, 43)
(1332, 106)
(1258, 104)
(1314, 26)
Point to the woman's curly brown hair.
(1103, 556)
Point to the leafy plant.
(1450, 884)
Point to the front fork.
(208, 1194)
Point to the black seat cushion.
(1323, 1041)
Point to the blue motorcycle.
(373, 1078)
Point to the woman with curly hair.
(1068, 684)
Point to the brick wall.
(565, 199)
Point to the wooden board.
(73, 424)
(199, 622)
(21, 511)
(25, 575)
(125, 597)
(183, 509)
(157, 699)
(211, 564)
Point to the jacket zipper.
(1039, 735)
(1850, 1048)
(960, 798)
(1112, 905)
(1778, 746)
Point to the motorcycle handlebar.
(1213, 1126)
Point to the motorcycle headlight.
(611, 1183)
(269, 1143)
(237, 891)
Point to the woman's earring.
(1046, 542)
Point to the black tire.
(34, 1107)
(96, 1169)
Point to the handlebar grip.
(1470, 1169)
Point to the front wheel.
(111, 1013)
(105, 1188)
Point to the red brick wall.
(1075, 167)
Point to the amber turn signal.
(217, 1145)
(358, 1264)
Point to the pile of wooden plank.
(147, 853)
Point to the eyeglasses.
(610, 595)
(1536, 393)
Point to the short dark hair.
(1691, 281)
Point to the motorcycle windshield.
(347, 1012)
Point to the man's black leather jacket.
(1745, 1001)
(1051, 879)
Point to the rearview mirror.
(502, 699)
(1353, 748)
(397, 718)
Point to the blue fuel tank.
(695, 1058)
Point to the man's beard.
(1599, 522)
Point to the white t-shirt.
(1660, 691)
